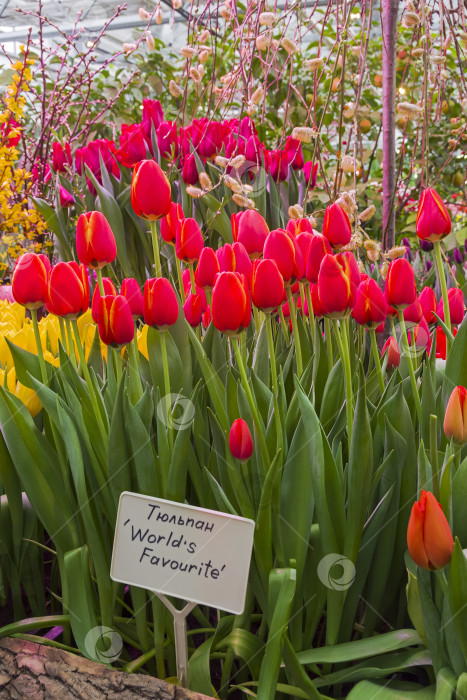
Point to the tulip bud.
(170, 221)
(429, 536)
(394, 355)
(148, 179)
(115, 322)
(240, 440)
(231, 308)
(427, 300)
(319, 247)
(370, 306)
(160, 303)
(456, 306)
(441, 343)
(267, 285)
(194, 308)
(334, 288)
(29, 282)
(400, 284)
(433, 221)
(95, 241)
(188, 240)
(207, 269)
(455, 420)
(131, 290)
(251, 229)
(414, 312)
(336, 226)
(68, 290)
(109, 290)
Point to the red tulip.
(414, 312)
(240, 440)
(421, 334)
(95, 241)
(131, 290)
(66, 198)
(170, 221)
(336, 226)
(304, 242)
(207, 268)
(394, 355)
(427, 300)
(150, 191)
(109, 290)
(298, 226)
(115, 322)
(226, 257)
(29, 282)
(68, 290)
(441, 345)
(315, 302)
(230, 308)
(189, 240)
(243, 263)
(455, 419)
(456, 306)
(282, 247)
(319, 247)
(433, 222)
(267, 285)
(334, 288)
(206, 317)
(194, 308)
(400, 284)
(249, 228)
(429, 536)
(160, 303)
(370, 306)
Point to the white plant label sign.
(192, 553)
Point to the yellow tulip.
(27, 396)
(143, 341)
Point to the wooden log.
(30, 671)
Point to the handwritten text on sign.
(191, 553)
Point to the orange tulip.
(455, 419)
(429, 536)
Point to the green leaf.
(281, 592)
(78, 594)
(361, 648)
(366, 690)
(456, 363)
(457, 593)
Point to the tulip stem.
(155, 247)
(71, 345)
(117, 357)
(252, 404)
(283, 324)
(413, 381)
(168, 402)
(374, 347)
(63, 333)
(293, 316)
(192, 278)
(256, 317)
(311, 315)
(328, 339)
(100, 282)
(444, 290)
(180, 278)
(275, 388)
(434, 455)
(136, 385)
(87, 377)
(40, 352)
(343, 342)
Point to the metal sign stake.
(181, 646)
